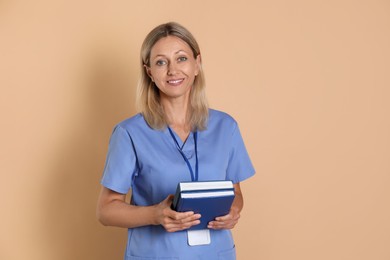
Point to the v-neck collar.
(187, 144)
(186, 152)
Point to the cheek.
(192, 71)
(157, 75)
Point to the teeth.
(174, 81)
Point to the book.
(211, 199)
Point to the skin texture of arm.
(112, 210)
(230, 220)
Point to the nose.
(172, 68)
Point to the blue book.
(211, 199)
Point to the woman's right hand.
(172, 220)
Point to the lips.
(175, 81)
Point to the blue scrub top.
(148, 162)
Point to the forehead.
(169, 45)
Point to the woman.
(145, 155)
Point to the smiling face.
(173, 67)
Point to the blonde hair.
(148, 96)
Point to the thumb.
(170, 197)
(168, 200)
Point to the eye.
(183, 58)
(161, 62)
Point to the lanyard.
(195, 134)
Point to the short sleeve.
(121, 162)
(240, 166)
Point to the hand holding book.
(225, 222)
(171, 220)
(212, 199)
(230, 221)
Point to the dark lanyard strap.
(195, 134)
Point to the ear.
(198, 64)
(147, 69)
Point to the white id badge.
(198, 237)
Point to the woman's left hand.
(225, 222)
(230, 220)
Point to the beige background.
(308, 82)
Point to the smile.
(175, 81)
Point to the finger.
(181, 219)
(187, 219)
(179, 225)
(168, 200)
(218, 226)
(224, 218)
(181, 215)
(228, 217)
(225, 223)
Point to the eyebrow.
(162, 55)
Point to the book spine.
(208, 190)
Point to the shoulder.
(129, 122)
(134, 121)
(133, 125)
(221, 124)
(221, 118)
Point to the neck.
(176, 113)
